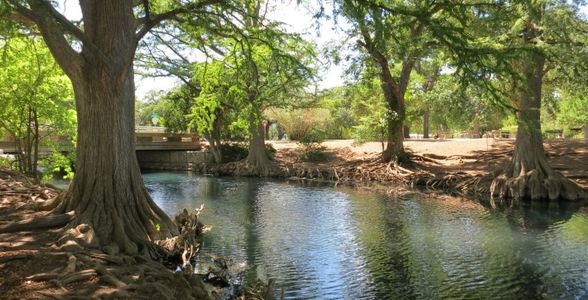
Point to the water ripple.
(322, 243)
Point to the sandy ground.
(445, 147)
(473, 156)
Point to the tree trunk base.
(400, 158)
(131, 229)
(539, 183)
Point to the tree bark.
(426, 116)
(476, 128)
(29, 143)
(393, 95)
(257, 157)
(529, 175)
(214, 141)
(394, 116)
(36, 141)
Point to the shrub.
(271, 151)
(58, 164)
(5, 162)
(234, 151)
(313, 150)
(238, 151)
(299, 122)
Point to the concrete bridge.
(155, 149)
(146, 139)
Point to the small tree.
(270, 69)
(217, 105)
(541, 33)
(35, 99)
(393, 37)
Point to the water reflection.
(326, 243)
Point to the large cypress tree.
(107, 192)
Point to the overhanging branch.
(151, 21)
(53, 32)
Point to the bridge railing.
(166, 141)
(143, 141)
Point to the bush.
(313, 150)
(299, 122)
(234, 151)
(239, 151)
(271, 151)
(58, 164)
(5, 162)
(370, 129)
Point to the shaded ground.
(470, 156)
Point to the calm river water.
(329, 243)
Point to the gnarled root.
(47, 221)
(539, 183)
(185, 245)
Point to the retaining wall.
(173, 160)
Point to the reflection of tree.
(552, 247)
(435, 249)
(538, 215)
(250, 199)
(383, 236)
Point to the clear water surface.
(329, 243)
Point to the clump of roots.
(185, 246)
(542, 183)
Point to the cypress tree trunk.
(426, 116)
(213, 136)
(529, 175)
(107, 192)
(214, 146)
(395, 143)
(394, 113)
(258, 158)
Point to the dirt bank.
(450, 156)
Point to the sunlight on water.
(326, 243)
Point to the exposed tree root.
(48, 221)
(542, 183)
(185, 245)
(15, 257)
(365, 171)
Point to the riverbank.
(452, 165)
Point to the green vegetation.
(36, 103)
(313, 151)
